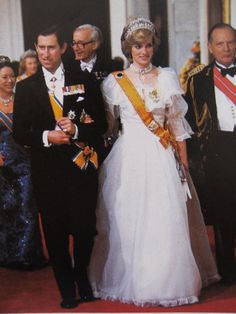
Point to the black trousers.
(221, 192)
(68, 208)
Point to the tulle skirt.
(143, 253)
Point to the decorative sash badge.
(71, 115)
(85, 156)
(73, 89)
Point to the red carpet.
(36, 292)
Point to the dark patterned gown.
(20, 241)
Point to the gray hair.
(96, 32)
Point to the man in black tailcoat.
(86, 42)
(60, 116)
(212, 114)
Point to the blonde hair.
(30, 53)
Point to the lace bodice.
(161, 93)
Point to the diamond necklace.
(141, 71)
(6, 101)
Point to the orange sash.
(127, 86)
(57, 106)
(166, 139)
(85, 156)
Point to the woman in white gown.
(143, 252)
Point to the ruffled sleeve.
(112, 95)
(168, 85)
(176, 106)
(111, 92)
(175, 118)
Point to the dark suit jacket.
(101, 68)
(33, 115)
(200, 96)
(211, 151)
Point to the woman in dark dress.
(20, 240)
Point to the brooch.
(154, 95)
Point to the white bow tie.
(86, 66)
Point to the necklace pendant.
(7, 101)
(143, 71)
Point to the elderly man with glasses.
(87, 39)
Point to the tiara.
(4, 59)
(139, 23)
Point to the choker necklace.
(141, 71)
(6, 101)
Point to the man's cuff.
(45, 139)
(75, 137)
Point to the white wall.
(120, 12)
(203, 30)
(183, 25)
(233, 13)
(11, 29)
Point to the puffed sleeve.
(112, 95)
(176, 106)
(176, 120)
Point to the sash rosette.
(86, 155)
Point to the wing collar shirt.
(226, 109)
(88, 65)
(55, 82)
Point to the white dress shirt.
(88, 65)
(59, 83)
(56, 88)
(226, 109)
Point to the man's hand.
(2, 158)
(67, 126)
(58, 137)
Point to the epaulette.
(197, 69)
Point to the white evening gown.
(142, 253)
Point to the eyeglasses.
(80, 44)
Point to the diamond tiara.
(139, 23)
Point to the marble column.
(120, 12)
(11, 29)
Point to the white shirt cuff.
(45, 139)
(75, 137)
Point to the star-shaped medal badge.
(71, 115)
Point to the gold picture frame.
(226, 11)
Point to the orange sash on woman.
(127, 86)
(164, 134)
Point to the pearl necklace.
(6, 101)
(141, 71)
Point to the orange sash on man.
(57, 106)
